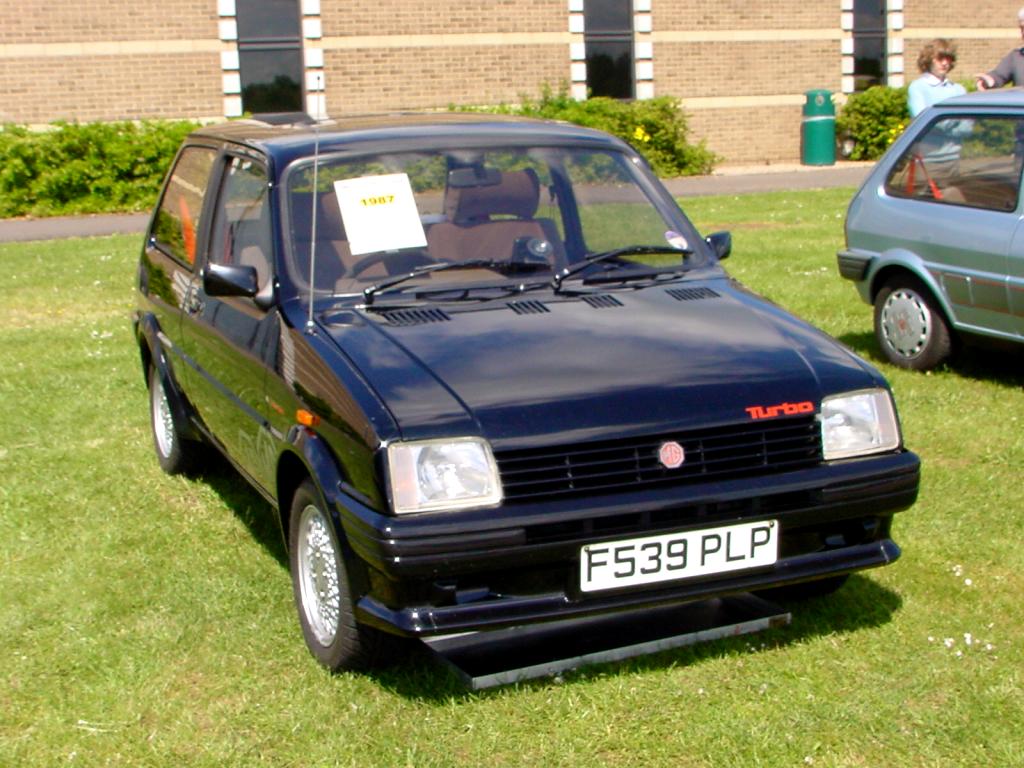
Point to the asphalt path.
(727, 181)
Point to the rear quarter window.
(178, 217)
(968, 161)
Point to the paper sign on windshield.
(379, 213)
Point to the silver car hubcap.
(906, 323)
(163, 423)
(318, 575)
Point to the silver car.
(934, 237)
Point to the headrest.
(328, 216)
(517, 193)
(329, 223)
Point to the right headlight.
(433, 475)
(858, 424)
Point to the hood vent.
(404, 317)
(528, 307)
(602, 301)
(691, 294)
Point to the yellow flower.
(640, 134)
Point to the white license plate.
(671, 556)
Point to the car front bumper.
(437, 574)
(853, 264)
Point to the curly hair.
(937, 47)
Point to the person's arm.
(915, 99)
(1003, 74)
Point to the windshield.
(516, 213)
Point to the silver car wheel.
(318, 563)
(163, 421)
(906, 323)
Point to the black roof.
(293, 135)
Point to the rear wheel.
(175, 454)
(323, 595)
(909, 325)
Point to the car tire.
(175, 454)
(910, 328)
(323, 595)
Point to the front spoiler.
(502, 657)
(428, 620)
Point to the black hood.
(559, 369)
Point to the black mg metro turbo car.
(490, 375)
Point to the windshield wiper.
(629, 250)
(504, 266)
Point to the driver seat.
(484, 222)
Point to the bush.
(657, 128)
(90, 168)
(873, 119)
(107, 167)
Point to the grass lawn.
(148, 620)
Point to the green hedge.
(873, 119)
(657, 128)
(105, 167)
(90, 168)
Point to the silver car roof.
(1001, 97)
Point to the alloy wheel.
(318, 574)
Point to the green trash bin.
(818, 134)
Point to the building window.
(869, 48)
(270, 55)
(608, 37)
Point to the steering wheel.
(397, 262)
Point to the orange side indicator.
(306, 419)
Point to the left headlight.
(442, 474)
(859, 423)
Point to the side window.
(974, 162)
(241, 224)
(178, 218)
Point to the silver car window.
(971, 161)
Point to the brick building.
(740, 68)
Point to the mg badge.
(671, 455)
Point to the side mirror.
(230, 280)
(721, 244)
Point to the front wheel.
(322, 592)
(910, 328)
